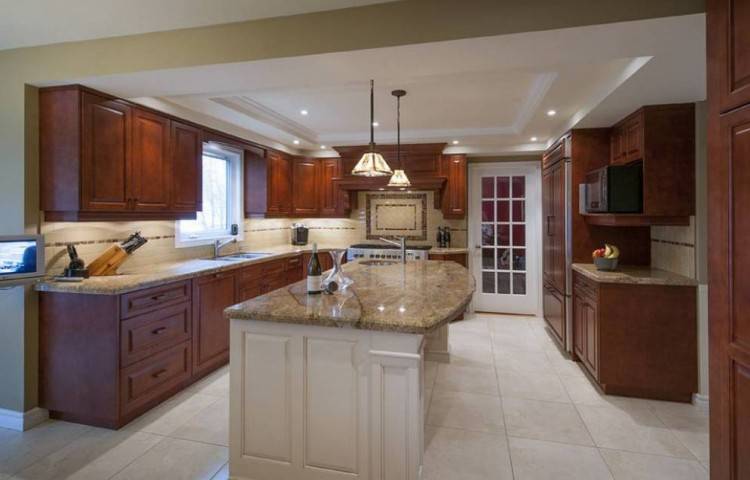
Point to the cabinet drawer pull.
(158, 331)
(160, 373)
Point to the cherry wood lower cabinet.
(637, 340)
(106, 359)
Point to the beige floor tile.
(631, 429)
(537, 460)
(176, 459)
(583, 392)
(430, 373)
(564, 366)
(466, 379)
(427, 399)
(222, 474)
(19, 450)
(452, 454)
(96, 455)
(690, 425)
(210, 425)
(635, 466)
(172, 414)
(458, 337)
(532, 386)
(469, 411)
(470, 323)
(551, 421)
(522, 340)
(470, 354)
(531, 361)
(216, 384)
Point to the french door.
(504, 232)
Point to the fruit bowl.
(605, 264)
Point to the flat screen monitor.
(21, 256)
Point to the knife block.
(108, 262)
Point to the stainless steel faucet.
(401, 243)
(219, 244)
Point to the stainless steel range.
(362, 251)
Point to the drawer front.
(250, 291)
(274, 282)
(294, 263)
(250, 274)
(585, 287)
(154, 377)
(147, 334)
(554, 311)
(275, 267)
(142, 301)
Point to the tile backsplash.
(92, 238)
(673, 249)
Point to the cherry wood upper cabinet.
(305, 181)
(729, 53)
(186, 167)
(103, 158)
(150, 163)
(332, 199)
(455, 191)
(105, 154)
(279, 177)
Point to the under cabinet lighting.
(455, 142)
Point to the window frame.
(235, 205)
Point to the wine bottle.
(314, 273)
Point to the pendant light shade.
(372, 164)
(399, 178)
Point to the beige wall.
(397, 23)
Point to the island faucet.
(219, 244)
(400, 243)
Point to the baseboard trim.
(700, 400)
(22, 421)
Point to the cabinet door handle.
(160, 373)
(549, 230)
(158, 331)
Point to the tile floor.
(509, 406)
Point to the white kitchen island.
(331, 386)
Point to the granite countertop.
(449, 250)
(166, 272)
(631, 274)
(417, 297)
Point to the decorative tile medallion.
(396, 215)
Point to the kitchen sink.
(378, 263)
(238, 257)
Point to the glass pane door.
(503, 235)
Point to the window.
(222, 199)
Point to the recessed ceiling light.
(375, 124)
(533, 139)
(455, 142)
(551, 113)
(296, 142)
(322, 147)
(303, 112)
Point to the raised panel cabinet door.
(548, 192)
(279, 184)
(634, 139)
(331, 199)
(579, 326)
(211, 295)
(105, 159)
(729, 295)
(591, 357)
(558, 225)
(305, 183)
(455, 193)
(729, 52)
(150, 170)
(420, 164)
(554, 311)
(187, 168)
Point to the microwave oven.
(615, 189)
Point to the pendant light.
(372, 164)
(399, 178)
